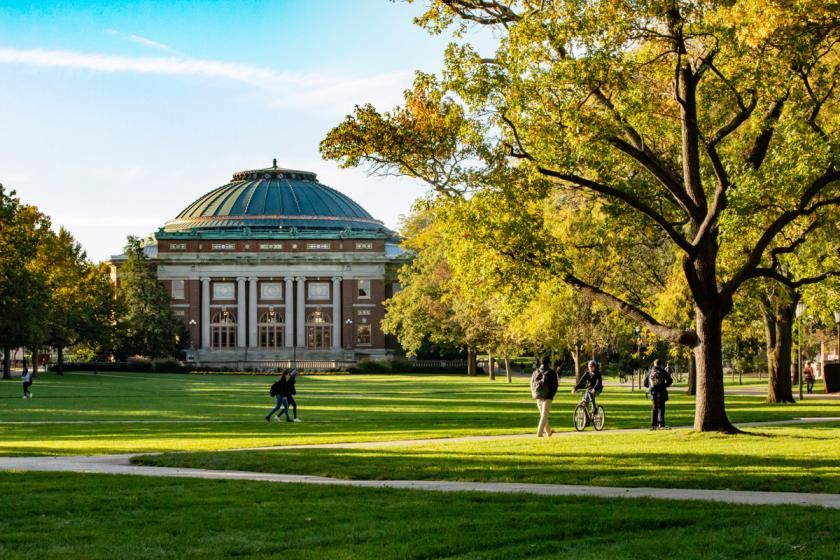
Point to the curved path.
(121, 465)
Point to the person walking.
(26, 379)
(592, 381)
(808, 374)
(279, 390)
(657, 381)
(544, 384)
(291, 396)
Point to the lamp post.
(800, 309)
(837, 322)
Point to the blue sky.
(116, 115)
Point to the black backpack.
(275, 389)
(656, 378)
(539, 386)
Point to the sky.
(115, 116)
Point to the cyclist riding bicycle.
(592, 381)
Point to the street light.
(800, 309)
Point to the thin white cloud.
(288, 89)
(140, 40)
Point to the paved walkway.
(121, 465)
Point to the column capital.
(289, 278)
(205, 279)
(337, 278)
(252, 279)
(240, 279)
(300, 278)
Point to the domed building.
(275, 266)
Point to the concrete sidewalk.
(121, 465)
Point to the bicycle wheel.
(580, 418)
(598, 418)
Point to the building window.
(319, 290)
(177, 246)
(177, 289)
(178, 312)
(271, 246)
(317, 246)
(223, 246)
(223, 330)
(362, 335)
(271, 290)
(363, 312)
(318, 329)
(271, 329)
(364, 245)
(223, 290)
(364, 289)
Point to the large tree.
(714, 122)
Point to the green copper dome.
(275, 199)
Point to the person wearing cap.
(592, 381)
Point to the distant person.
(26, 379)
(808, 374)
(543, 388)
(657, 381)
(592, 381)
(278, 390)
(291, 395)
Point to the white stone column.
(301, 310)
(336, 312)
(205, 313)
(241, 319)
(289, 320)
(252, 312)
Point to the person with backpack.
(592, 381)
(657, 381)
(279, 390)
(544, 384)
(26, 379)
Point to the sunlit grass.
(115, 413)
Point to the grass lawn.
(801, 459)
(57, 515)
(81, 413)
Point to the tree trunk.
(507, 369)
(710, 409)
(778, 328)
(576, 359)
(34, 361)
(692, 375)
(7, 362)
(492, 372)
(60, 368)
(471, 361)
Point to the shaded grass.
(114, 413)
(801, 459)
(105, 517)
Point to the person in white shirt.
(26, 378)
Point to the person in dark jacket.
(592, 381)
(291, 396)
(657, 381)
(543, 388)
(280, 391)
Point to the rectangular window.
(364, 289)
(223, 246)
(271, 290)
(362, 312)
(178, 312)
(223, 290)
(318, 290)
(363, 246)
(177, 246)
(177, 289)
(363, 334)
(271, 246)
(317, 246)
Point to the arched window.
(318, 329)
(271, 329)
(223, 329)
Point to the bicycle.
(583, 416)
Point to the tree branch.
(762, 141)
